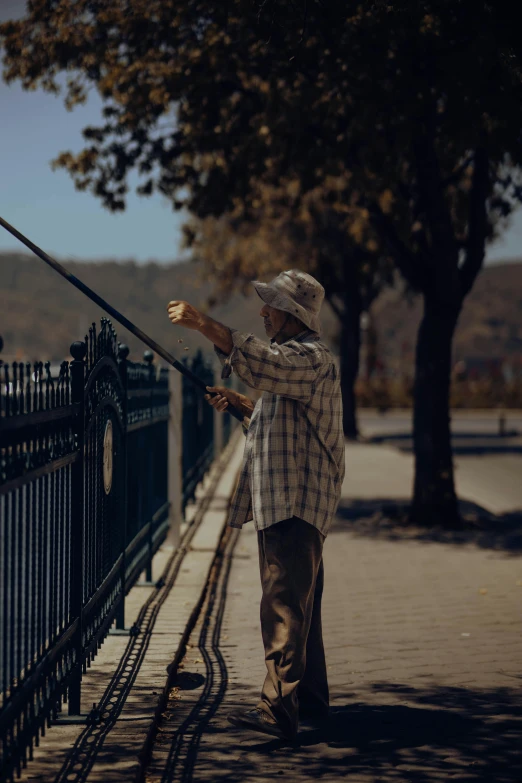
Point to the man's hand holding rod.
(184, 314)
(222, 396)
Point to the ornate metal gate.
(103, 494)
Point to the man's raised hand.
(184, 314)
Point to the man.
(289, 484)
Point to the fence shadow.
(387, 519)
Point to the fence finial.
(78, 350)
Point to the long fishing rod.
(114, 313)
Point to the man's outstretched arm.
(288, 370)
(217, 333)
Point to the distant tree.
(411, 111)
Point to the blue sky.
(44, 204)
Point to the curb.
(208, 543)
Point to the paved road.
(462, 422)
(424, 648)
(488, 467)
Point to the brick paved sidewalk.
(424, 652)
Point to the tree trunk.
(434, 497)
(349, 359)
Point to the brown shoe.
(257, 720)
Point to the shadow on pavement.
(386, 519)
(463, 443)
(431, 734)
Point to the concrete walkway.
(423, 638)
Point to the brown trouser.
(292, 577)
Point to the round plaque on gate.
(107, 457)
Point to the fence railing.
(230, 382)
(198, 428)
(84, 506)
(147, 462)
(38, 609)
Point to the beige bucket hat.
(294, 292)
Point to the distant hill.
(490, 324)
(41, 314)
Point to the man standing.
(289, 484)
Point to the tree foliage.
(235, 251)
(394, 111)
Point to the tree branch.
(459, 171)
(371, 293)
(337, 310)
(431, 193)
(406, 261)
(332, 287)
(328, 279)
(305, 19)
(477, 222)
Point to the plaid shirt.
(293, 462)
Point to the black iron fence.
(83, 508)
(198, 428)
(147, 461)
(230, 382)
(39, 619)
